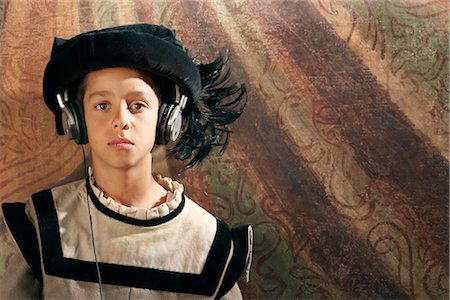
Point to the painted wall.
(340, 161)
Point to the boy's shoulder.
(72, 188)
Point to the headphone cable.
(91, 226)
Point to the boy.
(124, 232)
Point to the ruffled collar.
(173, 200)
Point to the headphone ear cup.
(174, 123)
(74, 123)
(161, 131)
(82, 129)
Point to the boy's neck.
(133, 186)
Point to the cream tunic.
(176, 250)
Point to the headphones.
(170, 119)
(72, 119)
(168, 128)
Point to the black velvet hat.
(147, 47)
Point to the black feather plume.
(220, 104)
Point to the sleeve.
(20, 275)
(233, 294)
(239, 267)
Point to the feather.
(220, 104)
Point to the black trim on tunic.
(56, 264)
(235, 268)
(24, 233)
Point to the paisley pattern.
(340, 160)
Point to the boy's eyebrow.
(100, 94)
(138, 93)
(109, 93)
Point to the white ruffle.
(173, 200)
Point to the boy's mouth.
(121, 143)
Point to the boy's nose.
(121, 120)
(122, 124)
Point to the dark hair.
(206, 126)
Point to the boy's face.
(121, 112)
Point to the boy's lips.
(121, 143)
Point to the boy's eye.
(101, 106)
(137, 106)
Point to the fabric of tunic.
(175, 250)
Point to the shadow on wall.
(340, 160)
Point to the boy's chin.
(122, 162)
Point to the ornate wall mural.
(340, 160)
